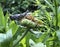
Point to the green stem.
(56, 12)
(20, 38)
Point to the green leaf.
(2, 19)
(28, 36)
(6, 21)
(23, 42)
(43, 37)
(14, 27)
(33, 44)
(48, 15)
(6, 39)
(59, 16)
(39, 45)
(58, 34)
(50, 5)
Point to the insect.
(18, 16)
(33, 19)
(25, 15)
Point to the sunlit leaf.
(6, 21)
(14, 27)
(33, 44)
(2, 19)
(23, 42)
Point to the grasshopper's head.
(18, 16)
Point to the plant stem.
(56, 12)
(20, 38)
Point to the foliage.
(26, 33)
